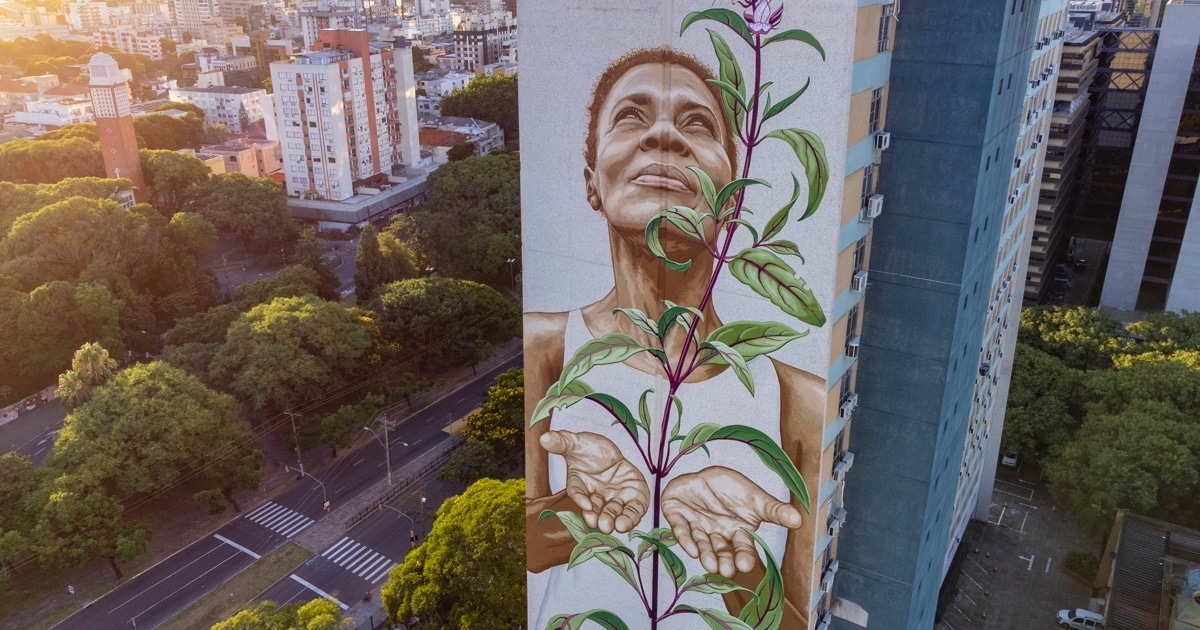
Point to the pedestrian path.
(279, 519)
(359, 559)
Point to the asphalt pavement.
(156, 594)
(33, 433)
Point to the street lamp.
(324, 496)
(387, 446)
(512, 274)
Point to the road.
(159, 592)
(33, 433)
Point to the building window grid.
(885, 25)
(868, 187)
(860, 254)
(876, 109)
(851, 326)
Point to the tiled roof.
(1148, 555)
(439, 138)
(9, 85)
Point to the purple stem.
(680, 374)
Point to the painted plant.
(727, 543)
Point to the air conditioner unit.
(1038, 45)
(859, 281)
(1045, 40)
(1017, 163)
(883, 140)
(842, 466)
(828, 575)
(874, 206)
(1041, 137)
(847, 408)
(1012, 199)
(852, 347)
(825, 621)
(1028, 176)
(984, 368)
(1035, 145)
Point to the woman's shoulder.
(545, 335)
(797, 380)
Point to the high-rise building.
(969, 107)
(480, 39)
(114, 123)
(190, 15)
(1154, 262)
(346, 114)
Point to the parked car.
(1010, 459)
(29, 404)
(1080, 618)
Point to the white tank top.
(722, 400)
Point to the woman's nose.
(664, 136)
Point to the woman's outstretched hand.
(611, 492)
(707, 511)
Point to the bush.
(1083, 564)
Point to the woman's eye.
(697, 120)
(628, 112)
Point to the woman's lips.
(663, 176)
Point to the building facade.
(1154, 262)
(235, 107)
(130, 40)
(969, 107)
(480, 39)
(346, 114)
(114, 123)
(190, 15)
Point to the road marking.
(361, 460)
(169, 576)
(1030, 559)
(1048, 564)
(236, 546)
(279, 519)
(214, 568)
(309, 586)
(359, 559)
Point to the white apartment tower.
(190, 15)
(346, 114)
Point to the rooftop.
(1154, 566)
(220, 89)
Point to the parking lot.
(1011, 577)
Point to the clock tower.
(114, 123)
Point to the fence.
(432, 461)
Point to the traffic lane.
(287, 591)
(159, 592)
(32, 433)
(388, 531)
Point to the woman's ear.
(589, 181)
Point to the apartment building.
(480, 39)
(265, 48)
(325, 17)
(235, 107)
(127, 39)
(190, 15)
(86, 16)
(969, 108)
(346, 114)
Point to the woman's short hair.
(641, 56)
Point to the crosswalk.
(279, 519)
(358, 559)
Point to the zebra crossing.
(359, 559)
(279, 519)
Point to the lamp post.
(387, 446)
(324, 496)
(512, 275)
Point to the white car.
(1010, 459)
(1080, 618)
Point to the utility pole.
(296, 441)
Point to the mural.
(663, 441)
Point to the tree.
(1167, 332)
(19, 481)
(169, 174)
(153, 425)
(471, 462)
(291, 281)
(1083, 338)
(470, 571)
(254, 209)
(1040, 416)
(187, 108)
(47, 162)
(160, 131)
(206, 327)
(420, 61)
(1145, 458)
(291, 350)
(307, 252)
(1151, 376)
(380, 259)
(316, 614)
(488, 98)
(501, 421)
(461, 151)
(439, 319)
(471, 226)
(79, 522)
(17, 200)
(338, 428)
(90, 368)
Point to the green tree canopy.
(87, 131)
(254, 209)
(90, 368)
(291, 281)
(501, 420)
(169, 174)
(488, 98)
(153, 425)
(461, 151)
(439, 319)
(1145, 377)
(380, 259)
(20, 199)
(470, 571)
(316, 614)
(291, 350)
(307, 252)
(160, 131)
(1083, 338)
(48, 162)
(471, 226)
(1167, 332)
(206, 327)
(79, 523)
(1040, 416)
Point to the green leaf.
(775, 225)
(661, 534)
(559, 396)
(716, 619)
(796, 35)
(767, 275)
(656, 248)
(707, 187)
(618, 410)
(611, 348)
(672, 562)
(784, 247)
(644, 410)
(732, 92)
(713, 584)
(732, 188)
(639, 319)
(729, 18)
(602, 618)
(752, 339)
(589, 545)
(570, 520)
(764, 447)
(619, 560)
(687, 220)
(811, 153)
(765, 611)
(777, 108)
(735, 361)
(730, 72)
(673, 314)
(746, 224)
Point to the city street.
(33, 433)
(158, 593)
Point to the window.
(839, 446)
(860, 254)
(868, 187)
(844, 390)
(851, 325)
(885, 24)
(876, 109)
